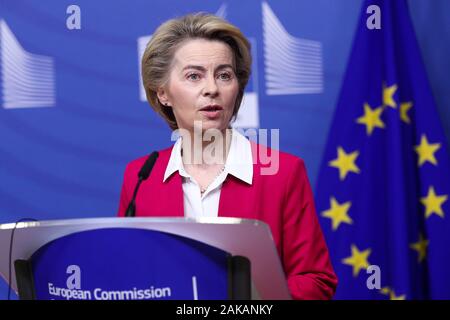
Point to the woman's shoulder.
(278, 168)
(265, 156)
(136, 164)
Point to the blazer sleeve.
(306, 260)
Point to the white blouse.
(239, 163)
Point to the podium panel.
(249, 242)
(129, 264)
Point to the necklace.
(203, 189)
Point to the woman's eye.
(225, 76)
(193, 76)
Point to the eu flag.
(384, 183)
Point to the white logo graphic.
(27, 79)
(73, 290)
(222, 12)
(248, 116)
(194, 287)
(292, 65)
(141, 45)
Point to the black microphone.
(142, 175)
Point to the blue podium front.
(129, 264)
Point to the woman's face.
(202, 85)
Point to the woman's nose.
(211, 88)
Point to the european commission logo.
(292, 65)
(27, 80)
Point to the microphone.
(142, 175)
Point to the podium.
(142, 258)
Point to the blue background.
(67, 161)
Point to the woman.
(194, 71)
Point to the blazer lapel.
(167, 196)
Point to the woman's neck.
(204, 149)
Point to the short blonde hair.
(158, 55)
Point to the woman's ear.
(162, 96)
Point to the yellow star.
(388, 96)
(421, 247)
(404, 108)
(345, 162)
(392, 296)
(433, 203)
(385, 290)
(371, 118)
(391, 293)
(426, 151)
(358, 260)
(338, 213)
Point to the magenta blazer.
(284, 201)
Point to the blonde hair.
(158, 55)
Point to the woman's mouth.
(211, 111)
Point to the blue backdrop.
(71, 108)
